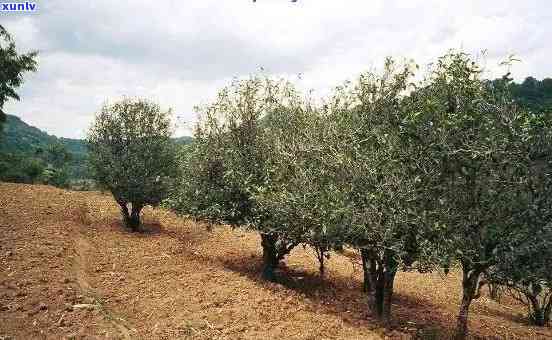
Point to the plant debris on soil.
(70, 270)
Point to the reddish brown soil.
(69, 270)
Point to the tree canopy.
(12, 65)
(413, 174)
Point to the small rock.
(68, 307)
(67, 280)
(85, 306)
(42, 306)
(9, 253)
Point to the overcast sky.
(179, 53)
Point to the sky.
(179, 53)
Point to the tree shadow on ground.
(343, 297)
(502, 314)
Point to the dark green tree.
(12, 68)
(525, 271)
(533, 95)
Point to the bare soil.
(68, 269)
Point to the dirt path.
(38, 284)
(85, 251)
(69, 270)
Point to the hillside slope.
(68, 269)
(21, 137)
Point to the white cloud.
(180, 52)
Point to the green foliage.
(18, 169)
(132, 155)
(21, 141)
(412, 174)
(56, 177)
(58, 155)
(523, 262)
(533, 95)
(381, 176)
(13, 66)
(484, 151)
(231, 171)
(26, 141)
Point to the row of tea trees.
(418, 175)
(415, 175)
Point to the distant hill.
(25, 142)
(20, 137)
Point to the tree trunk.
(495, 292)
(366, 286)
(377, 300)
(548, 312)
(321, 257)
(470, 286)
(124, 212)
(462, 321)
(537, 315)
(538, 318)
(134, 221)
(131, 219)
(389, 280)
(270, 256)
(321, 267)
(275, 248)
(379, 279)
(368, 269)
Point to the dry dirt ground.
(68, 269)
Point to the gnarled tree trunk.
(367, 263)
(134, 221)
(131, 218)
(321, 254)
(540, 305)
(274, 250)
(495, 291)
(470, 288)
(270, 256)
(379, 279)
(548, 312)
